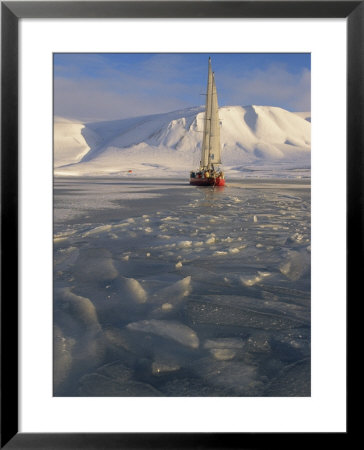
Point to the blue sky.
(102, 86)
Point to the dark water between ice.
(163, 289)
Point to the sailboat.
(209, 172)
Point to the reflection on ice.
(172, 290)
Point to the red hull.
(207, 181)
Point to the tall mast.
(210, 152)
(207, 122)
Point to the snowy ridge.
(252, 137)
(69, 143)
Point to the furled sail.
(215, 157)
(210, 152)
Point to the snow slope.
(69, 143)
(304, 115)
(169, 144)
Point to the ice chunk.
(224, 349)
(253, 279)
(167, 329)
(296, 237)
(63, 236)
(164, 366)
(95, 265)
(169, 218)
(80, 309)
(223, 354)
(184, 244)
(296, 266)
(121, 225)
(174, 293)
(131, 289)
(98, 230)
(65, 258)
(77, 316)
(264, 274)
(167, 307)
(235, 343)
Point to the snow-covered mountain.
(252, 138)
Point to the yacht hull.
(207, 181)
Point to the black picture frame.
(11, 13)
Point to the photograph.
(182, 224)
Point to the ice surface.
(179, 291)
(97, 385)
(293, 381)
(237, 376)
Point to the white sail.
(209, 174)
(210, 152)
(215, 157)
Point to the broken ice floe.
(224, 349)
(297, 264)
(171, 330)
(95, 265)
(173, 293)
(254, 279)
